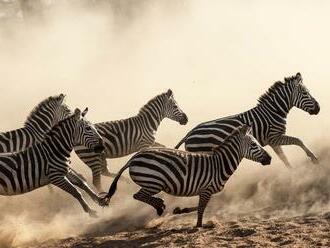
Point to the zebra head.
(85, 133)
(251, 149)
(301, 98)
(172, 110)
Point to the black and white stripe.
(46, 162)
(130, 135)
(40, 121)
(267, 119)
(182, 173)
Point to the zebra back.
(40, 121)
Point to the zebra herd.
(38, 154)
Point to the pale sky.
(218, 57)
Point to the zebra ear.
(298, 77)
(61, 97)
(84, 112)
(77, 113)
(169, 93)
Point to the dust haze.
(217, 57)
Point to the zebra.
(45, 163)
(40, 121)
(123, 137)
(268, 120)
(182, 173)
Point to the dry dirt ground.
(249, 230)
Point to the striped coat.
(124, 137)
(182, 173)
(46, 162)
(267, 119)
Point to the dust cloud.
(217, 57)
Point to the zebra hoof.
(160, 211)
(103, 202)
(210, 224)
(314, 160)
(102, 194)
(199, 226)
(92, 213)
(177, 210)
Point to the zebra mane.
(37, 108)
(272, 90)
(152, 100)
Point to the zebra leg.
(145, 195)
(279, 151)
(104, 167)
(64, 184)
(288, 140)
(203, 200)
(93, 161)
(79, 181)
(179, 210)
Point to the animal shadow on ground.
(136, 234)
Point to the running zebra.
(130, 135)
(45, 163)
(182, 173)
(40, 121)
(268, 120)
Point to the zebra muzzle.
(266, 159)
(183, 120)
(99, 148)
(316, 109)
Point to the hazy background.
(218, 57)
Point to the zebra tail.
(180, 143)
(113, 187)
(183, 140)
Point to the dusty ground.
(250, 230)
(259, 207)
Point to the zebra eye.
(88, 128)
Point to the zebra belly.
(156, 178)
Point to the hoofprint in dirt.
(249, 230)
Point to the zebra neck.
(274, 110)
(36, 134)
(40, 124)
(59, 141)
(277, 103)
(228, 158)
(152, 114)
